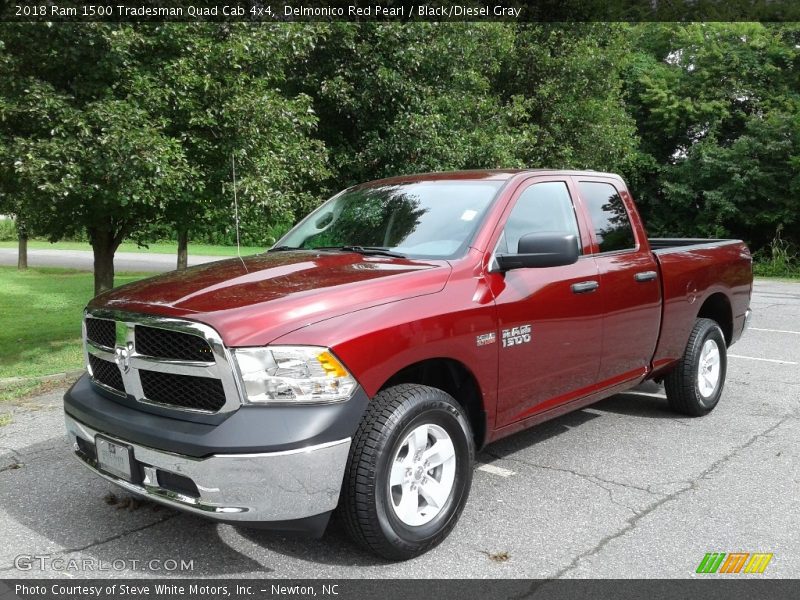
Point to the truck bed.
(694, 269)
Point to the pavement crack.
(693, 484)
(586, 476)
(611, 495)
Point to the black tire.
(683, 383)
(366, 506)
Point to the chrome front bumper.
(748, 315)
(275, 486)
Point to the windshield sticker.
(485, 339)
(468, 215)
(516, 336)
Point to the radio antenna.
(235, 205)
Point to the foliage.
(433, 96)
(779, 259)
(8, 230)
(394, 99)
(716, 106)
(562, 84)
(221, 93)
(112, 131)
(82, 154)
(146, 133)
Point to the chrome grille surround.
(222, 367)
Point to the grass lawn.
(165, 248)
(40, 320)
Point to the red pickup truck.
(399, 327)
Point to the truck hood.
(253, 300)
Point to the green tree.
(83, 156)
(562, 85)
(716, 106)
(221, 92)
(97, 161)
(137, 125)
(437, 96)
(413, 97)
(107, 171)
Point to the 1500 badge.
(516, 336)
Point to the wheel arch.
(454, 378)
(717, 307)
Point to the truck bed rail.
(666, 244)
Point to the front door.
(550, 319)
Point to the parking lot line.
(772, 360)
(496, 470)
(774, 330)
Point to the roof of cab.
(480, 174)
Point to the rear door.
(550, 319)
(629, 285)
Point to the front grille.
(176, 364)
(174, 345)
(106, 372)
(101, 332)
(184, 391)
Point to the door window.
(542, 208)
(612, 226)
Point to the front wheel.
(695, 385)
(409, 472)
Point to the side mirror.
(541, 250)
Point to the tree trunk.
(183, 248)
(103, 245)
(22, 254)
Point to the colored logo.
(735, 562)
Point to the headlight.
(293, 374)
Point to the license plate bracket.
(114, 458)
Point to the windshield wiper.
(366, 250)
(282, 248)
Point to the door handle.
(645, 276)
(584, 287)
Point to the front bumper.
(283, 486)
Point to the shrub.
(779, 259)
(8, 230)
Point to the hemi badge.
(485, 339)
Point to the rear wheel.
(695, 385)
(409, 472)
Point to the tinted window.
(543, 207)
(609, 217)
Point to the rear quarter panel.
(690, 276)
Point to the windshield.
(430, 219)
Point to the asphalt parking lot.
(621, 489)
